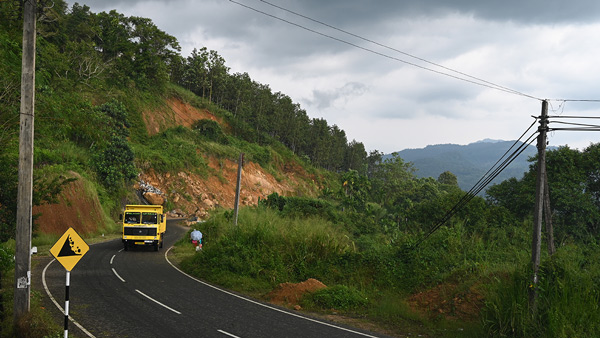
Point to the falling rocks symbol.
(69, 249)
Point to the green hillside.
(376, 234)
(468, 162)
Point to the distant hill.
(468, 162)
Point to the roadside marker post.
(68, 250)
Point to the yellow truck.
(143, 225)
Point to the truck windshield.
(132, 217)
(149, 218)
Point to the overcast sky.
(381, 96)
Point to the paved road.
(138, 293)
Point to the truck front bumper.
(140, 242)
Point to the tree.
(195, 76)
(448, 178)
(217, 77)
(318, 149)
(152, 49)
(394, 185)
(356, 157)
(337, 145)
(517, 196)
(573, 187)
(373, 161)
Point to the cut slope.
(78, 207)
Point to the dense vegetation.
(96, 73)
(361, 240)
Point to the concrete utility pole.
(25, 188)
(236, 205)
(539, 203)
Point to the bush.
(301, 206)
(339, 297)
(211, 131)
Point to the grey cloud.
(323, 99)
(534, 11)
(519, 44)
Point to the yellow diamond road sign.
(69, 249)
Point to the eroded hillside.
(191, 194)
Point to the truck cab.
(143, 225)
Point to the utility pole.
(25, 187)
(539, 203)
(548, 219)
(237, 189)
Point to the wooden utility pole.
(548, 218)
(25, 188)
(539, 203)
(237, 189)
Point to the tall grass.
(568, 303)
(268, 249)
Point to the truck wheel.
(125, 246)
(161, 241)
(156, 246)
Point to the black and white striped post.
(68, 250)
(68, 281)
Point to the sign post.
(68, 250)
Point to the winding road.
(139, 293)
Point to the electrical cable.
(487, 178)
(496, 169)
(577, 129)
(468, 197)
(515, 143)
(394, 49)
(482, 84)
(575, 124)
(575, 117)
(576, 100)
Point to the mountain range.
(468, 162)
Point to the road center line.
(112, 259)
(116, 274)
(157, 302)
(227, 334)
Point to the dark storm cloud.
(543, 48)
(536, 11)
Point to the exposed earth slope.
(192, 195)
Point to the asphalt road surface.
(138, 293)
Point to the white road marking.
(265, 305)
(157, 302)
(112, 258)
(58, 306)
(227, 334)
(116, 274)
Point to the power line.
(486, 179)
(481, 83)
(574, 117)
(575, 124)
(576, 100)
(396, 50)
(596, 128)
